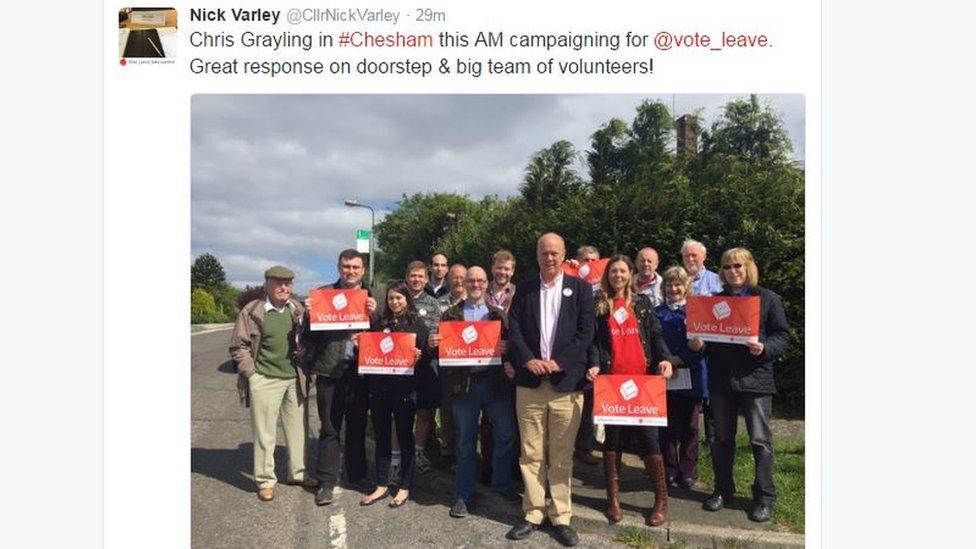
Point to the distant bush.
(204, 310)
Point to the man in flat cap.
(265, 347)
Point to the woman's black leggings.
(617, 435)
(393, 407)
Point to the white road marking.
(337, 528)
(211, 330)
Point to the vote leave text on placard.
(390, 353)
(630, 400)
(724, 319)
(338, 310)
(469, 343)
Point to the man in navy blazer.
(551, 327)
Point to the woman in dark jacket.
(393, 398)
(628, 341)
(679, 440)
(740, 377)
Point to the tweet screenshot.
(462, 275)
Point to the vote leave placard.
(630, 400)
(469, 343)
(723, 319)
(590, 271)
(387, 353)
(338, 310)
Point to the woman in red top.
(629, 341)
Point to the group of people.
(558, 334)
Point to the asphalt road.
(227, 513)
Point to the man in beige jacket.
(265, 347)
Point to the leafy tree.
(748, 130)
(206, 272)
(550, 177)
(412, 231)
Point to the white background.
(896, 200)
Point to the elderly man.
(648, 281)
(704, 282)
(551, 326)
(437, 286)
(265, 348)
(478, 389)
(340, 393)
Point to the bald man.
(551, 327)
(479, 389)
(648, 281)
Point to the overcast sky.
(270, 172)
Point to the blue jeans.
(501, 413)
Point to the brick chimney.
(687, 138)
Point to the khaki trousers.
(269, 397)
(548, 422)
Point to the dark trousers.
(339, 399)
(393, 408)
(617, 435)
(756, 409)
(585, 439)
(679, 440)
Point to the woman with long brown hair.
(629, 341)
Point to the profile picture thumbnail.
(147, 32)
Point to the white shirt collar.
(269, 307)
(556, 282)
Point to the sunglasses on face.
(731, 266)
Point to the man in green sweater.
(265, 348)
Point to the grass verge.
(788, 470)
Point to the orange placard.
(338, 310)
(387, 353)
(590, 271)
(630, 400)
(469, 343)
(723, 318)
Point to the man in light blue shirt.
(704, 282)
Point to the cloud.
(270, 172)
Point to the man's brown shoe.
(266, 494)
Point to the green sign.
(362, 234)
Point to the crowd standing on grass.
(559, 334)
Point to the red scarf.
(626, 351)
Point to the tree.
(414, 229)
(207, 273)
(549, 177)
(748, 130)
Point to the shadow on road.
(227, 367)
(233, 467)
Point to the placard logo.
(469, 334)
(620, 315)
(629, 390)
(721, 310)
(584, 271)
(340, 301)
(386, 345)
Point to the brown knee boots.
(655, 468)
(611, 470)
